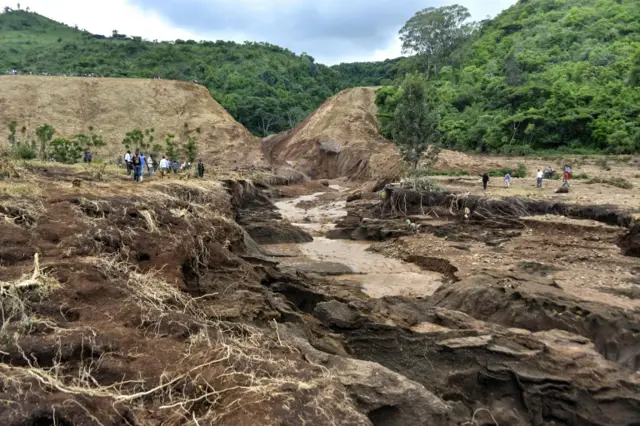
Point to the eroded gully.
(347, 260)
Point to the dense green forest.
(543, 75)
(266, 88)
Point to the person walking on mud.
(507, 180)
(150, 165)
(127, 162)
(565, 178)
(485, 181)
(200, 169)
(163, 166)
(137, 168)
(539, 176)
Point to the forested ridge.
(543, 75)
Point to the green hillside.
(265, 87)
(544, 75)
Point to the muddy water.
(377, 275)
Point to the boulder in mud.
(336, 314)
(630, 242)
(384, 396)
(354, 196)
(320, 268)
(277, 232)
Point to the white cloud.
(102, 17)
(349, 34)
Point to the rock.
(536, 304)
(386, 397)
(320, 268)
(389, 398)
(353, 196)
(277, 232)
(324, 182)
(336, 314)
(381, 230)
(562, 190)
(340, 233)
(549, 377)
(466, 342)
(630, 242)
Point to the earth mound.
(340, 139)
(115, 106)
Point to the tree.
(65, 151)
(294, 116)
(512, 70)
(191, 149)
(44, 133)
(156, 149)
(95, 140)
(171, 147)
(634, 75)
(87, 142)
(434, 33)
(414, 122)
(139, 140)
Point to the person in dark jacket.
(485, 181)
(200, 169)
(137, 168)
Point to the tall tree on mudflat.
(434, 33)
(44, 133)
(414, 121)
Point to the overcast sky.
(332, 31)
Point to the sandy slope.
(115, 106)
(345, 123)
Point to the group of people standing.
(137, 162)
(540, 175)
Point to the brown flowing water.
(377, 275)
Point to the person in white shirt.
(539, 179)
(127, 162)
(164, 166)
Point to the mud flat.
(376, 275)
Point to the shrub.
(24, 152)
(579, 176)
(65, 151)
(618, 182)
(520, 172)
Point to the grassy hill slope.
(115, 106)
(266, 88)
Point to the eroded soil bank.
(526, 317)
(200, 303)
